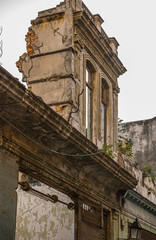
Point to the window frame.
(104, 106)
(88, 105)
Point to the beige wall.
(59, 43)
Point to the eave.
(141, 201)
(35, 120)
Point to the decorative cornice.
(81, 39)
(36, 167)
(69, 49)
(141, 201)
(90, 35)
(52, 17)
(52, 131)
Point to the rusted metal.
(47, 197)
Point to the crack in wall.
(56, 31)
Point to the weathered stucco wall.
(38, 219)
(143, 135)
(62, 43)
(145, 186)
(147, 219)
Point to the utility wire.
(49, 149)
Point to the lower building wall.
(122, 224)
(146, 217)
(38, 219)
(116, 225)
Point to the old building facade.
(142, 200)
(73, 66)
(53, 131)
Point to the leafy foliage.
(149, 171)
(108, 150)
(124, 143)
(125, 148)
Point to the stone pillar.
(110, 226)
(8, 196)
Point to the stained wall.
(38, 219)
(143, 135)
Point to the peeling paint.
(38, 219)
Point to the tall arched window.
(104, 107)
(89, 82)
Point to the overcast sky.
(131, 22)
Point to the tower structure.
(73, 66)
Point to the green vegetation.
(108, 150)
(125, 147)
(124, 143)
(148, 170)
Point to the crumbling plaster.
(38, 219)
(143, 136)
(49, 131)
(54, 66)
(146, 186)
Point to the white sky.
(131, 22)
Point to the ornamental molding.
(98, 44)
(36, 167)
(82, 39)
(141, 201)
(37, 121)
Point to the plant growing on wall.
(125, 147)
(108, 150)
(124, 143)
(149, 171)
